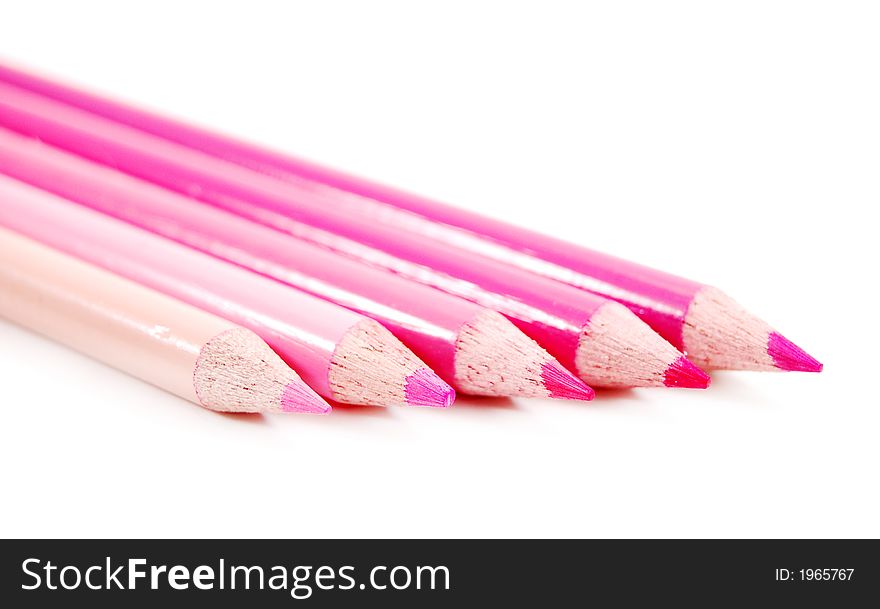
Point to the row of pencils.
(250, 281)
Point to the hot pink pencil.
(342, 355)
(600, 340)
(162, 341)
(471, 347)
(709, 326)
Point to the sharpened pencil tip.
(297, 397)
(563, 385)
(718, 333)
(424, 388)
(682, 373)
(493, 357)
(789, 357)
(237, 372)
(617, 349)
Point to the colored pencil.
(602, 341)
(190, 353)
(473, 348)
(342, 355)
(713, 329)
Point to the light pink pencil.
(193, 354)
(600, 340)
(473, 348)
(342, 355)
(713, 329)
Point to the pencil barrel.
(104, 316)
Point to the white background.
(736, 143)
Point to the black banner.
(435, 573)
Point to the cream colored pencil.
(172, 345)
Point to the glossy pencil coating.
(563, 319)
(342, 355)
(475, 349)
(690, 315)
(193, 354)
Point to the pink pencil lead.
(684, 374)
(789, 357)
(424, 388)
(563, 385)
(299, 397)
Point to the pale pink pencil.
(190, 353)
(708, 325)
(342, 355)
(600, 340)
(473, 348)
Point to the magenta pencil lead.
(789, 357)
(562, 384)
(719, 333)
(683, 373)
(424, 388)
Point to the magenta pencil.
(708, 325)
(342, 355)
(473, 348)
(600, 340)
